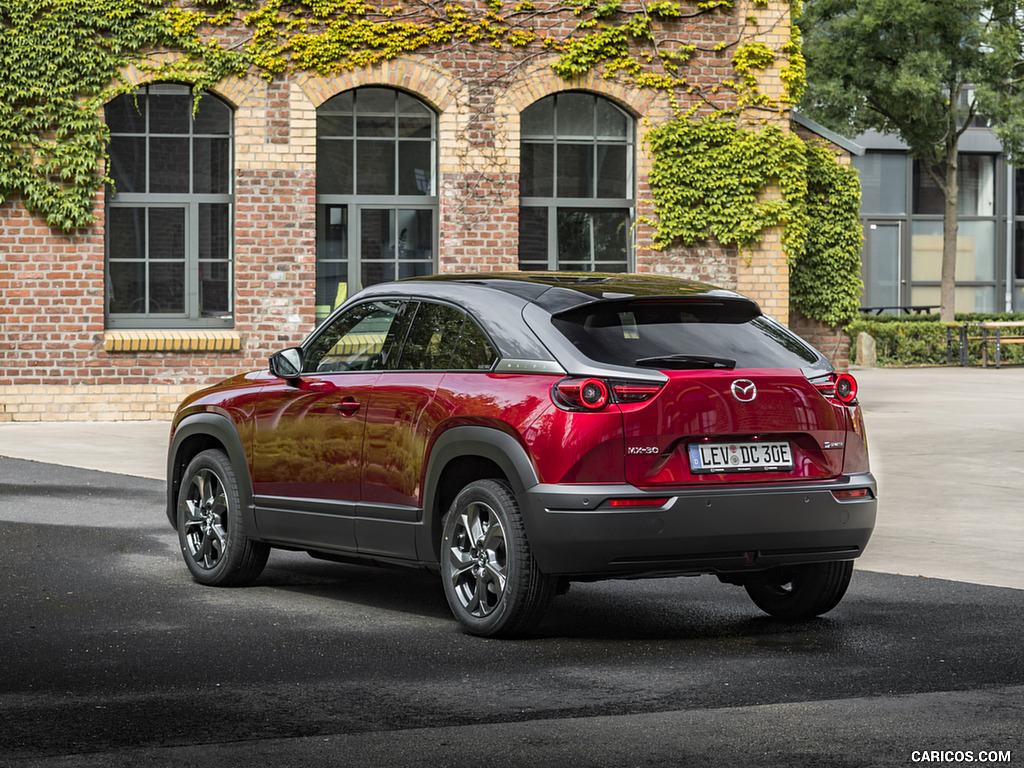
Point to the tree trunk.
(950, 225)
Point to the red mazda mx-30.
(516, 432)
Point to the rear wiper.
(686, 361)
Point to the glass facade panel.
(976, 179)
(533, 238)
(883, 182)
(375, 167)
(975, 253)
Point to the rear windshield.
(683, 334)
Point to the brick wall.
(59, 362)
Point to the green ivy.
(711, 179)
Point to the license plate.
(740, 457)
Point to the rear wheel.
(210, 530)
(491, 581)
(802, 591)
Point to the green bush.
(921, 339)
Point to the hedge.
(921, 339)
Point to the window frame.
(191, 203)
(555, 205)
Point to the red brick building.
(232, 231)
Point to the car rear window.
(683, 334)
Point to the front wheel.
(210, 529)
(802, 592)
(491, 581)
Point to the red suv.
(516, 432)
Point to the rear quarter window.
(679, 334)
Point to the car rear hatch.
(736, 397)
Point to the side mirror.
(287, 364)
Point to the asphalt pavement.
(947, 447)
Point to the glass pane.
(214, 116)
(881, 265)
(128, 163)
(123, 116)
(170, 113)
(533, 238)
(126, 233)
(575, 170)
(574, 238)
(416, 236)
(611, 238)
(883, 181)
(374, 272)
(333, 167)
(331, 286)
(975, 252)
(168, 165)
(977, 185)
(966, 299)
(331, 259)
(166, 287)
(214, 231)
(375, 164)
(127, 289)
(377, 235)
(416, 127)
(611, 172)
(1018, 249)
(927, 197)
(333, 125)
(415, 175)
(375, 125)
(612, 122)
(342, 104)
(211, 163)
(537, 175)
(474, 352)
(410, 105)
(167, 233)
(375, 101)
(353, 339)
(1018, 194)
(538, 120)
(575, 116)
(414, 269)
(214, 288)
(431, 339)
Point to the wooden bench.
(1006, 332)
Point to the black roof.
(560, 291)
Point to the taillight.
(581, 394)
(841, 387)
(593, 394)
(846, 389)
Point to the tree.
(922, 69)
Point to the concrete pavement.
(947, 447)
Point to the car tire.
(210, 529)
(802, 592)
(491, 580)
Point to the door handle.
(347, 406)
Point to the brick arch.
(233, 90)
(414, 74)
(541, 80)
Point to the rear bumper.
(735, 529)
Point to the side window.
(473, 352)
(431, 339)
(441, 338)
(359, 339)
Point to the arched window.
(169, 214)
(376, 189)
(576, 185)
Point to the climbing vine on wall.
(62, 60)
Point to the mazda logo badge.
(744, 390)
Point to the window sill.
(172, 341)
